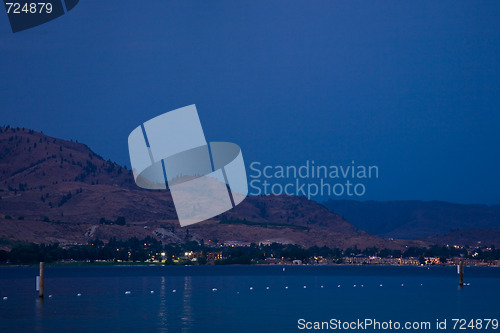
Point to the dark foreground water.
(244, 298)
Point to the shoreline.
(140, 264)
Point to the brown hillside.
(56, 190)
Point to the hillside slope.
(52, 190)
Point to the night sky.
(410, 86)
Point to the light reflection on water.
(187, 309)
(169, 301)
(162, 309)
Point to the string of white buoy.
(128, 292)
(266, 288)
(287, 287)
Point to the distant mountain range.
(435, 221)
(53, 190)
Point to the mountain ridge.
(414, 219)
(54, 190)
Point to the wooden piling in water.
(42, 280)
(461, 273)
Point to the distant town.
(212, 252)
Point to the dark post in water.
(461, 273)
(42, 282)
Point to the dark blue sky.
(411, 86)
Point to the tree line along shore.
(151, 250)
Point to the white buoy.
(362, 286)
(173, 290)
(152, 291)
(251, 288)
(267, 288)
(127, 292)
(402, 284)
(283, 269)
(78, 294)
(338, 286)
(238, 292)
(381, 285)
(305, 287)
(50, 296)
(321, 286)
(5, 298)
(214, 289)
(286, 287)
(354, 286)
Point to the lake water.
(245, 298)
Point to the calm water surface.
(239, 298)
